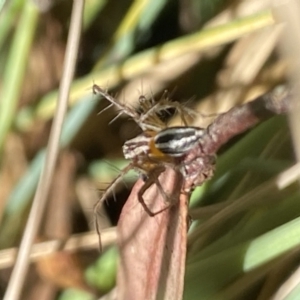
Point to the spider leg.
(97, 90)
(164, 105)
(153, 179)
(104, 196)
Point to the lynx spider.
(156, 147)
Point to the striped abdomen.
(177, 141)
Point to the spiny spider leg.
(153, 179)
(183, 110)
(148, 118)
(124, 108)
(165, 104)
(106, 193)
(128, 111)
(150, 114)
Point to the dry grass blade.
(19, 273)
(288, 11)
(77, 242)
(153, 249)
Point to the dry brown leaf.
(153, 249)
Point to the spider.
(158, 147)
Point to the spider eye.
(142, 99)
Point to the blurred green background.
(210, 55)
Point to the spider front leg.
(153, 178)
(124, 109)
(105, 195)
